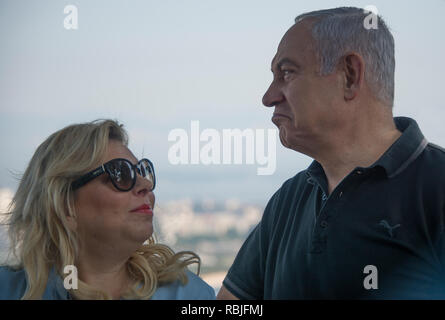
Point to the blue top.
(13, 285)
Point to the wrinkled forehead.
(297, 44)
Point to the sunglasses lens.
(121, 173)
(147, 171)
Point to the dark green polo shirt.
(390, 215)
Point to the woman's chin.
(141, 233)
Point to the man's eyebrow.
(284, 61)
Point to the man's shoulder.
(194, 289)
(436, 149)
(430, 174)
(433, 161)
(13, 283)
(297, 181)
(292, 187)
(292, 191)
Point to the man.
(366, 219)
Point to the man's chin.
(287, 140)
(283, 137)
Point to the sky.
(157, 66)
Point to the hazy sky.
(158, 65)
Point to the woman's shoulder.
(13, 283)
(194, 289)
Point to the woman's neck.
(109, 276)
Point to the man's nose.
(273, 96)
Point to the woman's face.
(106, 216)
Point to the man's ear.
(353, 67)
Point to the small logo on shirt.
(390, 229)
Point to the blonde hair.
(38, 230)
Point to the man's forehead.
(295, 43)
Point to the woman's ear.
(353, 67)
(71, 222)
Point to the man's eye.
(286, 72)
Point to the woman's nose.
(143, 185)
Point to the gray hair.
(339, 30)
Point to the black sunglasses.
(122, 173)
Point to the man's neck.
(353, 151)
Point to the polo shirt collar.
(398, 156)
(405, 150)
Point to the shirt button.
(340, 194)
(324, 196)
(359, 172)
(324, 224)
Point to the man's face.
(304, 101)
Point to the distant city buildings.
(185, 219)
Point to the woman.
(85, 205)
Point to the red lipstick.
(145, 208)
